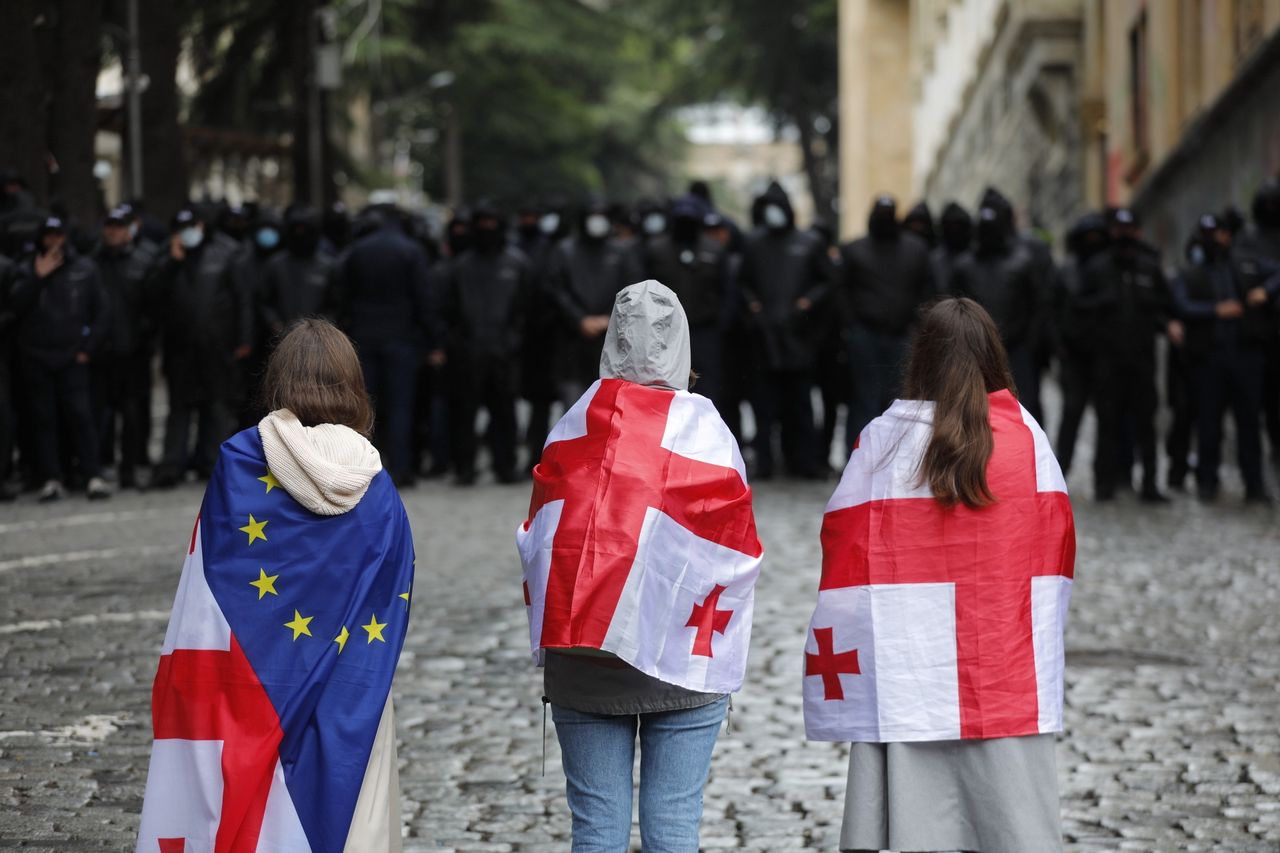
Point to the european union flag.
(280, 653)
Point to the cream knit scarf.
(326, 468)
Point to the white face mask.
(549, 223)
(775, 216)
(191, 236)
(133, 231)
(655, 223)
(598, 226)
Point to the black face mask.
(684, 230)
(303, 242)
(458, 242)
(489, 240)
(990, 236)
(882, 224)
(529, 231)
(956, 236)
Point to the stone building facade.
(1169, 106)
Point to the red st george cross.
(215, 695)
(830, 665)
(608, 479)
(990, 555)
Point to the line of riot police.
(503, 309)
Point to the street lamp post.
(133, 86)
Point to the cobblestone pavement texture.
(1173, 729)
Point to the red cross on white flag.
(640, 539)
(936, 623)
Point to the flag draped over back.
(275, 675)
(938, 623)
(640, 539)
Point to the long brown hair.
(956, 360)
(315, 373)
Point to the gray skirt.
(988, 796)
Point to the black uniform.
(1226, 360)
(696, 269)
(782, 266)
(1125, 300)
(295, 284)
(887, 278)
(955, 238)
(584, 275)
(62, 318)
(123, 373)
(487, 300)
(203, 318)
(8, 326)
(1073, 332)
(1261, 243)
(1000, 276)
(384, 300)
(543, 328)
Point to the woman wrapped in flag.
(640, 558)
(272, 705)
(936, 646)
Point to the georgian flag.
(936, 623)
(640, 538)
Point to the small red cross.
(215, 695)
(707, 619)
(598, 536)
(830, 665)
(990, 556)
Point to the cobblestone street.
(1173, 725)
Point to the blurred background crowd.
(464, 186)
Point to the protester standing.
(630, 651)
(921, 650)
(301, 549)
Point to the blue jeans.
(598, 751)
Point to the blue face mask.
(267, 238)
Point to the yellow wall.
(875, 107)
(1193, 54)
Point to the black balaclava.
(997, 201)
(1088, 236)
(882, 223)
(1266, 205)
(337, 225)
(956, 226)
(919, 221)
(1232, 219)
(488, 231)
(457, 234)
(527, 218)
(235, 223)
(990, 235)
(302, 232)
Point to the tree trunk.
(164, 166)
(300, 62)
(73, 114)
(22, 144)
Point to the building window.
(1250, 26)
(1138, 95)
